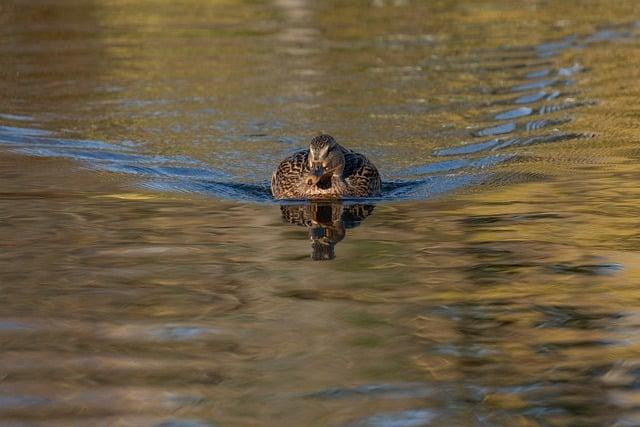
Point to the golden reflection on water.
(514, 302)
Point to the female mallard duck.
(325, 171)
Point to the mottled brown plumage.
(325, 171)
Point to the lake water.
(147, 278)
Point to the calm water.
(148, 279)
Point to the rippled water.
(148, 279)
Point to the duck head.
(326, 160)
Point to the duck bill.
(317, 172)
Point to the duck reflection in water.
(326, 222)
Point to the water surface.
(147, 277)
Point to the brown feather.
(360, 175)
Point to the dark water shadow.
(326, 222)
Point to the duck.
(326, 170)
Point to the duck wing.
(285, 180)
(361, 175)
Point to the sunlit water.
(147, 277)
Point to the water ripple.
(409, 418)
(184, 174)
(502, 143)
